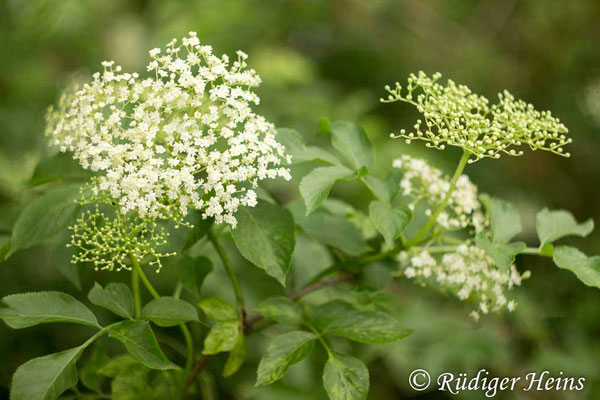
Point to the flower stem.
(135, 288)
(140, 272)
(189, 343)
(137, 269)
(232, 277)
(459, 169)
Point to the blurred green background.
(332, 58)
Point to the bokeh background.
(332, 58)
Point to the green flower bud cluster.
(455, 116)
(108, 242)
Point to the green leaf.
(283, 351)
(282, 310)
(46, 378)
(60, 167)
(200, 229)
(45, 217)
(116, 297)
(352, 143)
(392, 182)
(294, 146)
(502, 254)
(330, 230)
(324, 125)
(377, 187)
(388, 221)
(236, 357)
(169, 311)
(365, 326)
(315, 185)
(553, 225)
(587, 269)
(9, 212)
(29, 309)
(89, 372)
(192, 272)
(547, 250)
(345, 378)
(140, 342)
(504, 218)
(218, 310)
(4, 247)
(266, 236)
(62, 257)
(223, 336)
(133, 381)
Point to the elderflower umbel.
(455, 116)
(184, 138)
(468, 273)
(420, 181)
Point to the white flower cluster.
(420, 181)
(455, 116)
(185, 138)
(468, 273)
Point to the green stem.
(320, 338)
(438, 249)
(355, 262)
(189, 343)
(189, 362)
(459, 169)
(232, 277)
(140, 273)
(177, 291)
(536, 251)
(135, 288)
(98, 334)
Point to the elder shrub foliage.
(153, 164)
